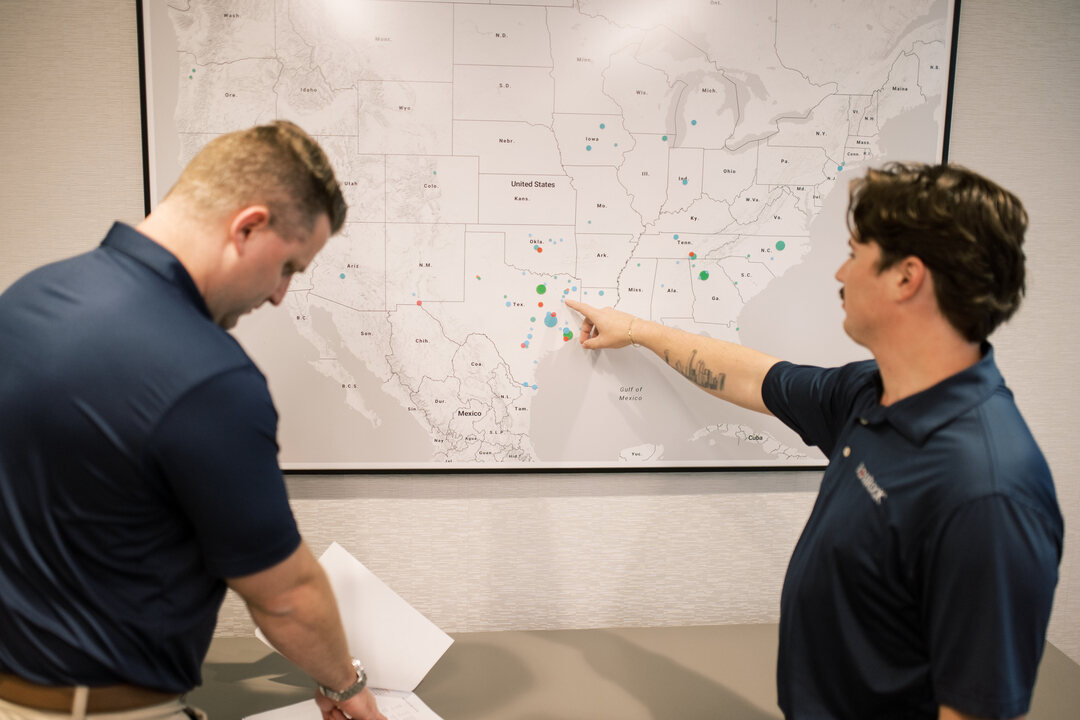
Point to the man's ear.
(244, 223)
(912, 275)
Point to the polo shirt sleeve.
(989, 585)
(815, 402)
(217, 449)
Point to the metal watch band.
(354, 689)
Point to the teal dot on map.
(693, 122)
(602, 126)
(675, 236)
(840, 168)
(532, 319)
(601, 292)
(342, 276)
(534, 386)
(704, 274)
(664, 138)
(588, 147)
(780, 245)
(550, 320)
(685, 180)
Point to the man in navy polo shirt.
(922, 584)
(138, 459)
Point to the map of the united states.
(668, 158)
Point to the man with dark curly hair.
(922, 583)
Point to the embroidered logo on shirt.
(870, 484)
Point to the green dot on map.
(780, 245)
(704, 274)
(664, 138)
(541, 289)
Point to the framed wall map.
(686, 161)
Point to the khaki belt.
(108, 698)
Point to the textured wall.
(1017, 120)
(479, 552)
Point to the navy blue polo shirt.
(138, 469)
(925, 573)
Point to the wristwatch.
(355, 689)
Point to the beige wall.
(478, 552)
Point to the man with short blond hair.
(138, 453)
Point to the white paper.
(395, 642)
(394, 705)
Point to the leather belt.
(107, 698)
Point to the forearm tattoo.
(697, 373)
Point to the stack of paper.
(397, 644)
(394, 705)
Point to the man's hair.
(277, 165)
(966, 229)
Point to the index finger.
(579, 306)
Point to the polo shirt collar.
(919, 416)
(127, 240)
